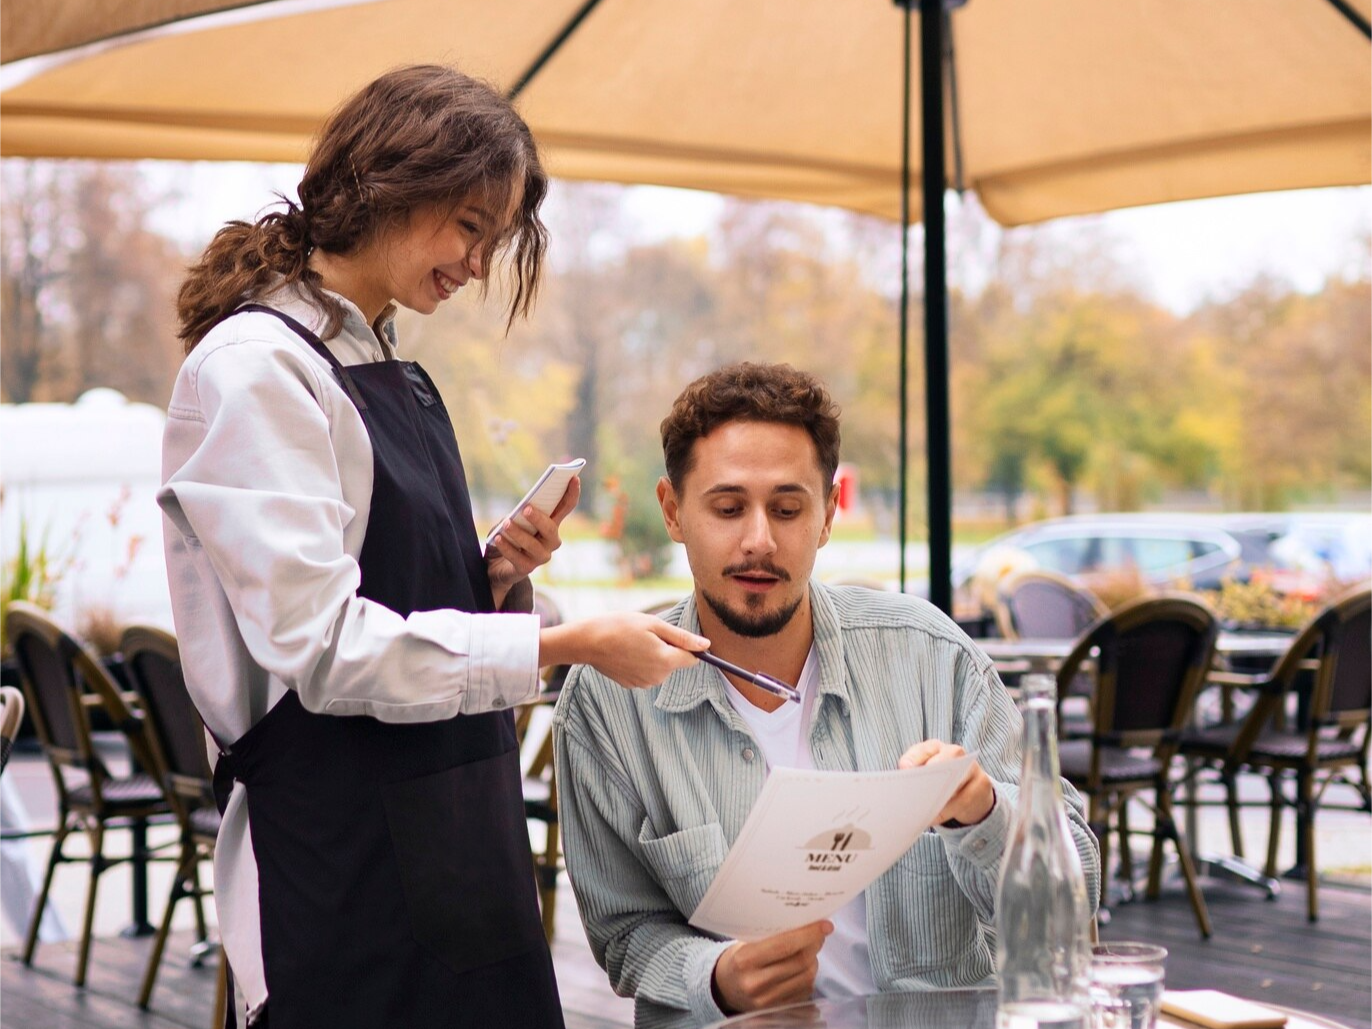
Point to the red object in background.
(845, 477)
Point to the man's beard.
(749, 624)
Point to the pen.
(758, 679)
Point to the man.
(656, 784)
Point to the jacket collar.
(690, 687)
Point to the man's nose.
(757, 538)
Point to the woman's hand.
(633, 649)
(516, 552)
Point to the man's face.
(753, 511)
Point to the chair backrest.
(1343, 685)
(1336, 643)
(11, 714)
(1045, 605)
(1152, 658)
(153, 662)
(42, 651)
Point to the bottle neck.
(1040, 779)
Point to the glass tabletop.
(927, 1009)
(934, 1009)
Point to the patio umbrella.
(1063, 106)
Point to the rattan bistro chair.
(177, 735)
(11, 715)
(1040, 604)
(62, 681)
(540, 781)
(1045, 605)
(1329, 746)
(1152, 656)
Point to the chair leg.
(159, 941)
(54, 859)
(221, 992)
(97, 837)
(1274, 830)
(1188, 869)
(1154, 887)
(1126, 855)
(202, 932)
(1231, 797)
(1098, 820)
(552, 852)
(1305, 812)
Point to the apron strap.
(318, 344)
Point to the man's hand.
(976, 796)
(778, 970)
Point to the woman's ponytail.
(242, 262)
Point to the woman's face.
(426, 260)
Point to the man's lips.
(756, 578)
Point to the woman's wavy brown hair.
(419, 136)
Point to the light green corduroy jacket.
(654, 785)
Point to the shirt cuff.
(700, 976)
(504, 669)
(983, 844)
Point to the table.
(934, 1009)
(1046, 654)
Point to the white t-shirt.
(845, 963)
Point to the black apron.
(396, 883)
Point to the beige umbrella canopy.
(1064, 106)
(1061, 106)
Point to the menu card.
(814, 840)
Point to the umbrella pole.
(936, 409)
(902, 442)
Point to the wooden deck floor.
(1265, 950)
(42, 997)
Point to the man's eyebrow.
(729, 488)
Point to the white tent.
(81, 480)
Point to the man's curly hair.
(750, 392)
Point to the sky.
(1180, 254)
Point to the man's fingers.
(775, 949)
(927, 752)
(800, 986)
(918, 755)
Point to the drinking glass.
(1126, 985)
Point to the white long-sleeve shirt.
(267, 469)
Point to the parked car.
(1297, 553)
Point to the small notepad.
(1218, 1010)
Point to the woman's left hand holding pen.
(516, 552)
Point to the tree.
(29, 270)
(88, 285)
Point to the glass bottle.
(1042, 912)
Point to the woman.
(347, 641)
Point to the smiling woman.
(352, 646)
